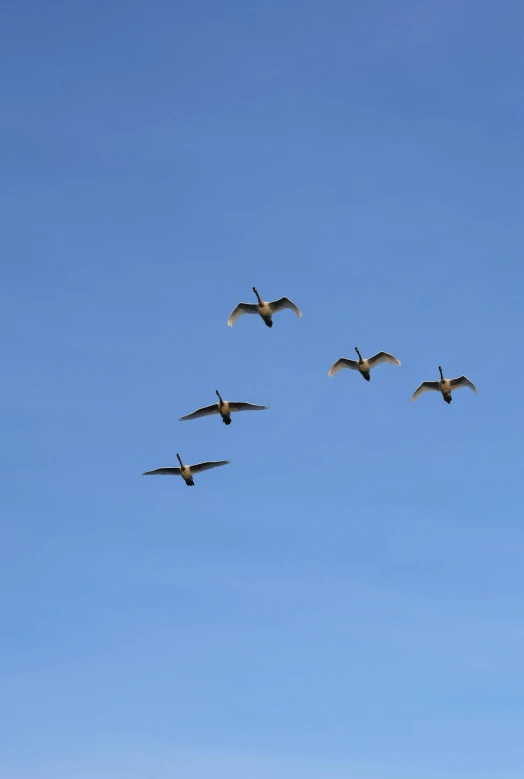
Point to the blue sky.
(346, 598)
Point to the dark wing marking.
(163, 472)
(199, 467)
(201, 412)
(235, 405)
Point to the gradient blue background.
(346, 598)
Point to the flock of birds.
(225, 408)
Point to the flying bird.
(265, 309)
(224, 408)
(186, 471)
(445, 386)
(364, 366)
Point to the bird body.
(225, 408)
(264, 308)
(224, 411)
(444, 386)
(186, 471)
(363, 366)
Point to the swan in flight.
(445, 386)
(364, 366)
(224, 408)
(186, 471)
(264, 308)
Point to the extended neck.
(359, 355)
(180, 461)
(441, 374)
(219, 397)
(258, 296)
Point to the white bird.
(186, 471)
(224, 408)
(265, 309)
(445, 386)
(364, 366)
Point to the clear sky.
(346, 598)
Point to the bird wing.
(242, 308)
(163, 472)
(282, 303)
(343, 363)
(462, 381)
(199, 467)
(425, 387)
(201, 412)
(382, 357)
(235, 405)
